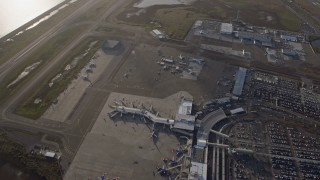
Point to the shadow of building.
(112, 47)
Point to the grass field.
(96, 12)
(49, 94)
(176, 20)
(256, 13)
(169, 18)
(45, 53)
(17, 154)
(289, 21)
(113, 31)
(306, 4)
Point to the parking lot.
(283, 152)
(285, 93)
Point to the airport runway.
(32, 47)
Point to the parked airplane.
(202, 32)
(111, 115)
(153, 134)
(181, 57)
(180, 152)
(102, 177)
(117, 103)
(199, 61)
(173, 162)
(163, 171)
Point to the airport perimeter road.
(11, 63)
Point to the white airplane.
(202, 32)
(117, 103)
(113, 115)
(172, 162)
(181, 57)
(199, 61)
(153, 134)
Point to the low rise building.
(239, 81)
(226, 28)
(289, 38)
(255, 37)
(237, 111)
(158, 34)
(184, 120)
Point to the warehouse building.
(240, 79)
(255, 37)
(289, 38)
(226, 28)
(289, 52)
(237, 111)
(158, 34)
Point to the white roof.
(157, 32)
(198, 23)
(185, 117)
(238, 110)
(240, 79)
(49, 154)
(185, 122)
(226, 28)
(201, 143)
(185, 107)
(223, 100)
(198, 171)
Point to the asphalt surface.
(32, 47)
(70, 134)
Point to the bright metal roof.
(240, 78)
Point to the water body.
(148, 3)
(15, 13)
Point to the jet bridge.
(145, 113)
